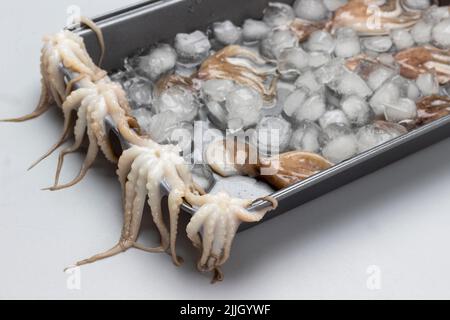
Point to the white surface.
(397, 218)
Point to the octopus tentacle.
(59, 143)
(88, 162)
(79, 133)
(107, 254)
(125, 162)
(98, 32)
(175, 202)
(154, 201)
(208, 239)
(41, 108)
(231, 233)
(196, 223)
(72, 102)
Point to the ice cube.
(159, 61)
(278, 14)
(292, 61)
(340, 143)
(333, 117)
(312, 109)
(192, 48)
(332, 99)
(215, 92)
(284, 89)
(376, 134)
(357, 110)
(143, 117)
(321, 41)
(139, 92)
(227, 33)
(313, 10)
(333, 5)
(121, 76)
(379, 76)
(318, 59)
(306, 137)
(255, 30)
(217, 114)
(441, 34)
(387, 59)
(244, 104)
(272, 135)
(335, 130)
(277, 41)
(217, 89)
(350, 83)
(421, 32)
(307, 80)
(378, 44)
(428, 84)
(402, 39)
(388, 93)
(294, 101)
(329, 73)
(435, 14)
(162, 125)
(180, 100)
(347, 43)
(417, 4)
(408, 88)
(403, 109)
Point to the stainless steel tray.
(135, 27)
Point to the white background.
(397, 219)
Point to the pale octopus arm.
(141, 172)
(218, 219)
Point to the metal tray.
(129, 29)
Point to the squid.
(232, 63)
(369, 17)
(419, 60)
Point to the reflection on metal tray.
(135, 27)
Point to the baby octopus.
(218, 219)
(89, 93)
(141, 172)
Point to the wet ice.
(313, 10)
(227, 33)
(347, 43)
(192, 48)
(180, 101)
(279, 39)
(278, 14)
(357, 110)
(159, 61)
(254, 30)
(272, 135)
(306, 137)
